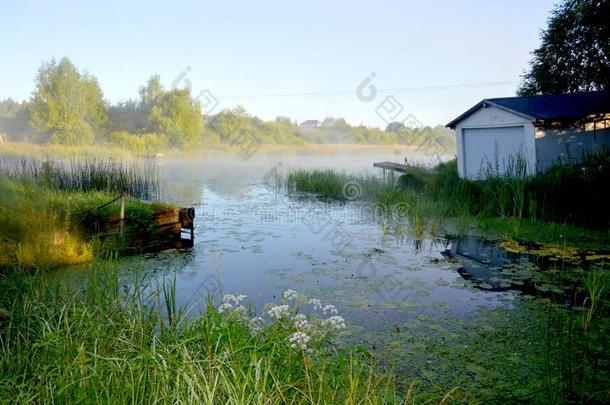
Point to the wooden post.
(122, 213)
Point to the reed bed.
(139, 178)
(569, 198)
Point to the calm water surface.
(257, 239)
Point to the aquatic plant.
(597, 284)
(139, 178)
(504, 199)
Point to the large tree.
(67, 105)
(15, 120)
(179, 117)
(575, 50)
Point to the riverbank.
(56, 213)
(563, 206)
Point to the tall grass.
(333, 184)
(35, 232)
(573, 195)
(43, 228)
(97, 345)
(140, 178)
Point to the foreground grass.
(97, 345)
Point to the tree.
(67, 105)
(15, 120)
(231, 124)
(152, 92)
(178, 116)
(575, 51)
(127, 116)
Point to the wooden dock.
(173, 228)
(391, 166)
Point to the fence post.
(122, 213)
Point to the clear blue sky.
(244, 48)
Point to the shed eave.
(484, 103)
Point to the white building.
(536, 132)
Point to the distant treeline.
(67, 107)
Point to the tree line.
(67, 107)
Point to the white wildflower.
(335, 322)
(299, 340)
(232, 299)
(329, 309)
(231, 302)
(290, 294)
(301, 322)
(317, 304)
(241, 310)
(256, 325)
(228, 298)
(279, 311)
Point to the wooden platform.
(395, 167)
(173, 229)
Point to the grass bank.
(52, 211)
(44, 228)
(102, 345)
(567, 204)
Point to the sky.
(423, 61)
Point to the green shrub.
(149, 143)
(410, 180)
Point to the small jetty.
(171, 228)
(175, 228)
(391, 166)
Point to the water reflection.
(491, 268)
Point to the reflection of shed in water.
(491, 268)
(482, 264)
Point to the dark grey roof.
(548, 107)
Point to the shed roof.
(548, 107)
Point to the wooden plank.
(167, 216)
(397, 167)
(169, 222)
(174, 229)
(187, 216)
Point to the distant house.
(538, 130)
(310, 124)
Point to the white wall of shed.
(495, 117)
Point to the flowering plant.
(304, 331)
